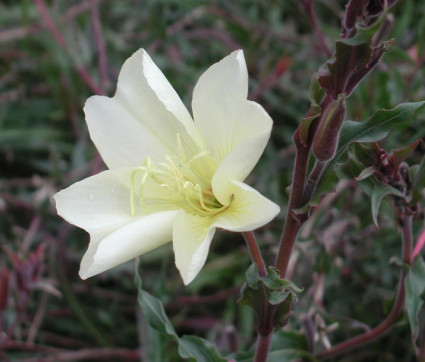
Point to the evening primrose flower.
(170, 177)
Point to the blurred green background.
(55, 54)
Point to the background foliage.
(55, 54)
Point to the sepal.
(316, 96)
(271, 298)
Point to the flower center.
(178, 183)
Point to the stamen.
(132, 209)
(186, 183)
(212, 210)
(199, 155)
(148, 170)
(201, 198)
(196, 207)
(180, 149)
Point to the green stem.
(255, 252)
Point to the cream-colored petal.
(219, 90)
(250, 142)
(140, 77)
(144, 118)
(192, 236)
(248, 210)
(99, 204)
(235, 130)
(133, 239)
(221, 110)
(121, 139)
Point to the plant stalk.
(263, 347)
(293, 224)
(255, 253)
(388, 323)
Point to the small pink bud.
(419, 245)
(282, 65)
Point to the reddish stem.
(263, 347)
(308, 5)
(48, 21)
(388, 323)
(255, 252)
(264, 328)
(293, 224)
(50, 24)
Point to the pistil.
(186, 183)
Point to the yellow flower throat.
(183, 184)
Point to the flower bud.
(326, 138)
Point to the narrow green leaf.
(190, 347)
(289, 355)
(377, 126)
(379, 192)
(198, 349)
(155, 313)
(152, 308)
(415, 287)
(367, 172)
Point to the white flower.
(170, 178)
